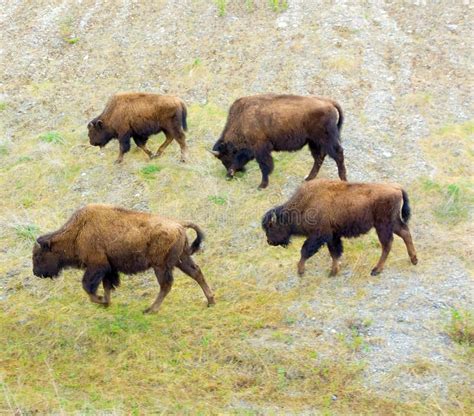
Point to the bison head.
(277, 227)
(232, 158)
(99, 133)
(46, 262)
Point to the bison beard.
(106, 240)
(325, 211)
(258, 125)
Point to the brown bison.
(105, 240)
(260, 124)
(325, 211)
(138, 115)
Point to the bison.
(324, 211)
(138, 115)
(105, 240)
(260, 124)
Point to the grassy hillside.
(275, 343)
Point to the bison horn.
(273, 217)
(214, 152)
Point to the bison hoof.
(157, 154)
(210, 303)
(374, 272)
(148, 310)
(414, 261)
(118, 162)
(262, 185)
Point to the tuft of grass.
(221, 7)
(66, 31)
(278, 6)
(3, 106)
(461, 327)
(343, 64)
(249, 5)
(454, 200)
(421, 99)
(216, 199)
(51, 137)
(27, 233)
(150, 171)
(3, 150)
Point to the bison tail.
(340, 122)
(196, 244)
(184, 115)
(406, 212)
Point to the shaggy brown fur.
(105, 240)
(325, 211)
(138, 115)
(260, 124)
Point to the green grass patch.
(27, 233)
(51, 137)
(278, 6)
(221, 7)
(122, 322)
(453, 200)
(3, 150)
(461, 327)
(3, 106)
(150, 171)
(66, 31)
(216, 199)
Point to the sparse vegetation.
(221, 7)
(453, 199)
(272, 342)
(461, 327)
(278, 5)
(150, 171)
(51, 137)
(27, 233)
(218, 200)
(66, 31)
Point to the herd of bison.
(105, 240)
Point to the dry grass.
(61, 353)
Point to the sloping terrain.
(275, 343)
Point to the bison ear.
(99, 124)
(44, 243)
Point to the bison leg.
(110, 282)
(141, 143)
(318, 156)
(335, 250)
(403, 231)
(188, 266)
(181, 139)
(91, 281)
(165, 144)
(164, 276)
(337, 153)
(265, 162)
(310, 247)
(124, 147)
(385, 234)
